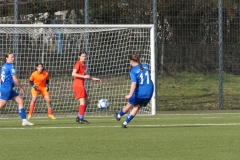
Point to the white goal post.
(57, 47)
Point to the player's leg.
(132, 101)
(81, 109)
(81, 95)
(140, 102)
(123, 111)
(2, 103)
(32, 106)
(4, 97)
(131, 115)
(32, 103)
(49, 106)
(21, 109)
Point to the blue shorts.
(139, 101)
(6, 94)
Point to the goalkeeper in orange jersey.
(39, 81)
(79, 74)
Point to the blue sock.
(22, 113)
(129, 118)
(80, 116)
(121, 113)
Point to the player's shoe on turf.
(51, 116)
(124, 126)
(29, 117)
(77, 119)
(116, 116)
(27, 123)
(82, 121)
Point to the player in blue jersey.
(8, 79)
(140, 92)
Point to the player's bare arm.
(75, 74)
(133, 86)
(95, 79)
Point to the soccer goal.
(58, 47)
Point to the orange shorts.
(41, 90)
(79, 92)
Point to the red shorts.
(79, 91)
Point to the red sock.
(85, 109)
(81, 111)
(31, 109)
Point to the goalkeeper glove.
(47, 85)
(35, 87)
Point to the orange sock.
(31, 109)
(81, 111)
(50, 111)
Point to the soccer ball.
(103, 104)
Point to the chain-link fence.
(188, 36)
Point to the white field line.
(162, 116)
(176, 116)
(89, 126)
(185, 114)
(8, 120)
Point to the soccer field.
(163, 136)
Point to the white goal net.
(57, 47)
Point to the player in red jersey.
(79, 74)
(39, 81)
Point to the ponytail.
(141, 67)
(134, 57)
